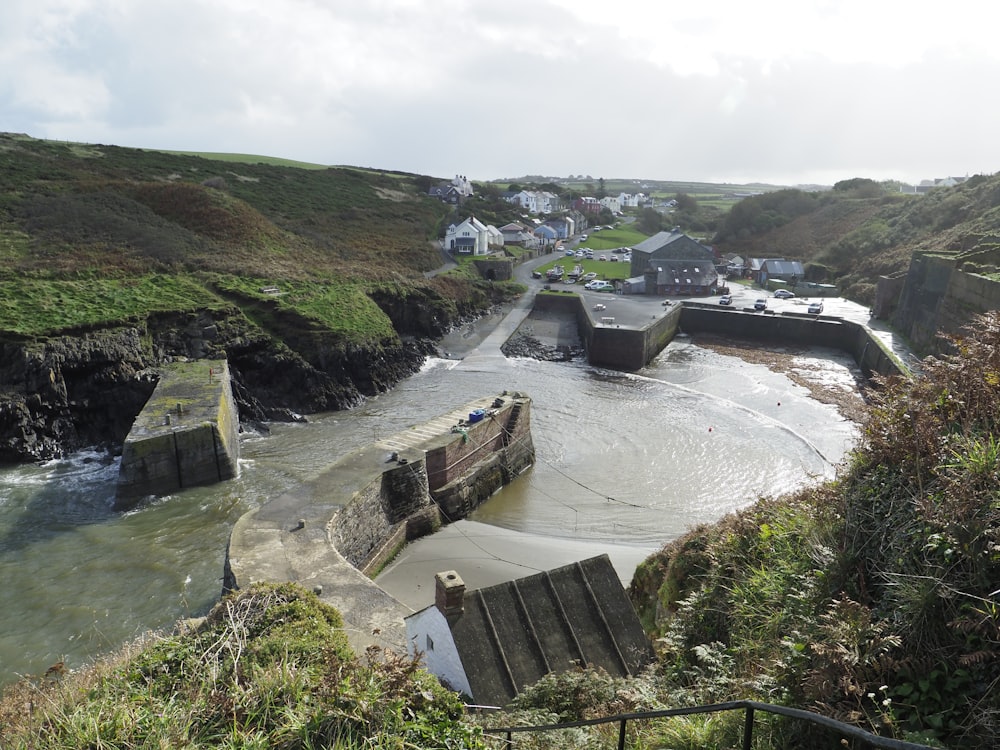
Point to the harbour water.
(625, 462)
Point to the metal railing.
(862, 738)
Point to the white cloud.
(773, 91)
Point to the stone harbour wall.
(186, 435)
(333, 534)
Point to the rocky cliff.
(84, 388)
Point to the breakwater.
(336, 532)
(186, 435)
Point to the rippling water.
(633, 458)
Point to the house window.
(430, 644)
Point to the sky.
(785, 92)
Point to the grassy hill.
(861, 230)
(113, 260)
(85, 224)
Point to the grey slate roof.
(512, 634)
(673, 244)
(781, 267)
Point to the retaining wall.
(631, 348)
(334, 533)
(939, 298)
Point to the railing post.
(748, 728)
(621, 735)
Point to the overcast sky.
(786, 92)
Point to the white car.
(601, 286)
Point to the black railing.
(865, 739)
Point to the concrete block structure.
(186, 435)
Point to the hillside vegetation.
(269, 667)
(871, 598)
(861, 230)
(311, 282)
(85, 224)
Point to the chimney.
(449, 594)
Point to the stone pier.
(333, 533)
(186, 435)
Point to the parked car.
(569, 251)
(583, 238)
(536, 274)
(590, 276)
(815, 308)
(614, 258)
(784, 294)
(725, 299)
(601, 286)
(760, 304)
(603, 257)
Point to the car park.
(815, 308)
(784, 294)
(760, 304)
(725, 299)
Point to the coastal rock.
(84, 388)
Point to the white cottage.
(471, 237)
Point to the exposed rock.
(85, 388)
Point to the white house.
(631, 200)
(612, 204)
(536, 201)
(495, 237)
(471, 237)
(462, 185)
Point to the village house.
(564, 226)
(612, 204)
(673, 263)
(472, 237)
(519, 235)
(454, 192)
(631, 200)
(587, 205)
(546, 234)
(491, 643)
(788, 271)
(536, 201)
